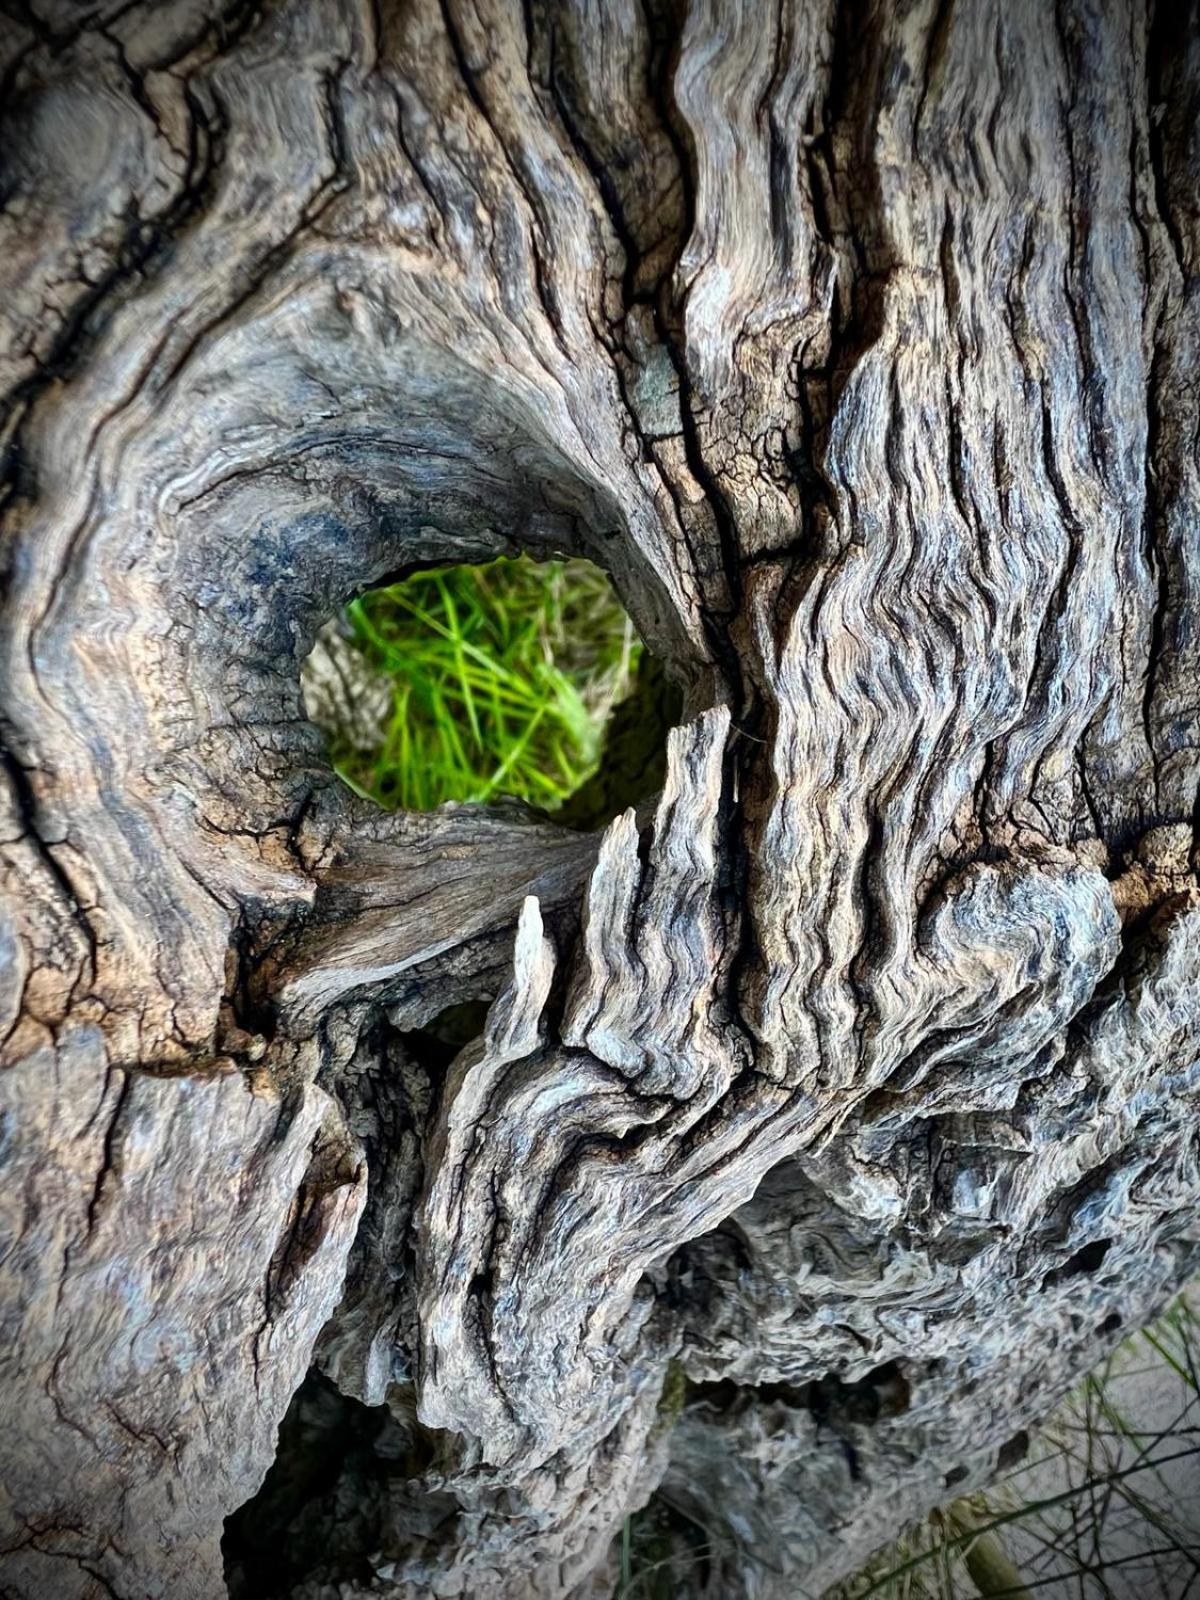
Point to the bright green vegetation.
(501, 680)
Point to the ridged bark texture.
(832, 1113)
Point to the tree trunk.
(830, 1117)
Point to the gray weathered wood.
(832, 1113)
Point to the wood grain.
(831, 1115)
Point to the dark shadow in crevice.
(633, 760)
(326, 1509)
(437, 1043)
(346, 1498)
(883, 1393)
(1085, 1261)
(320, 1508)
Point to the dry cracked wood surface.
(831, 1113)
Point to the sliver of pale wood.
(832, 1114)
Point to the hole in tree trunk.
(323, 1514)
(1012, 1451)
(512, 680)
(1088, 1259)
(437, 1043)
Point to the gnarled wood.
(832, 1111)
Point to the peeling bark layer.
(829, 1116)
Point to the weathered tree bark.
(830, 1116)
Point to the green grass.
(500, 680)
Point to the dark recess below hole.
(323, 1506)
